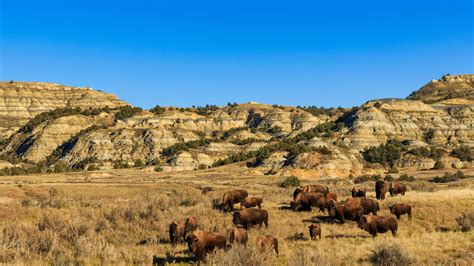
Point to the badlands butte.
(46, 127)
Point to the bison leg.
(409, 214)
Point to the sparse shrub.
(309, 256)
(92, 167)
(158, 110)
(449, 177)
(55, 198)
(367, 178)
(438, 165)
(463, 153)
(388, 178)
(126, 111)
(385, 154)
(466, 221)
(390, 254)
(393, 170)
(291, 181)
(406, 178)
(202, 167)
(138, 163)
(158, 169)
(242, 255)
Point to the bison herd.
(357, 208)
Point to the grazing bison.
(297, 191)
(239, 236)
(191, 224)
(248, 217)
(399, 209)
(358, 192)
(397, 188)
(369, 206)
(314, 231)
(316, 188)
(177, 232)
(345, 211)
(231, 197)
(306, 200)
(201, 243)
(378, 224)
(250, 202)
(380, 190)
(331, 195)
(267, 242)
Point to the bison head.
(363, 224)
(353, 192)
(236, 218)
(192, 241)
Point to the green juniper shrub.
(406, 178)
(291, 181)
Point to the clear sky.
(289, 52)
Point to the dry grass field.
(122, 217)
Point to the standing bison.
(250, 202)
(177, 232)
(311, 188)
(191, 224)
(201, 243)
(358, 192)
(397, 188)
(231, 197)
(306, 200)
(315, 231)
(345, 211)
(248, 217)
(378, 224)
(380, 190)
(267, 242)
(399, 209)
(238, 236)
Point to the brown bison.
(345, 211)
(311, 188)
(397, 188)
(239, 236)
(231, 197)
(315, 231)
(306, 200)
(331, 195)
(177, 232)
(248, 217)
(191, 224)
(369, 206)
(316, 188)
(399, 209)
(378, 224)
(201, 243)
(250, 202)
(380, 189)
(358, 192)
(267, 242)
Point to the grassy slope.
(106, 214)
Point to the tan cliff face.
(459, 89)
(231, 130)
(21, 101)
(378, 121)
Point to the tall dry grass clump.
(240, 255)
(389, 254)
(309, 256)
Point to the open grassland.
(122, 216)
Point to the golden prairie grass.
(122, 217)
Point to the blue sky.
(290, 52)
